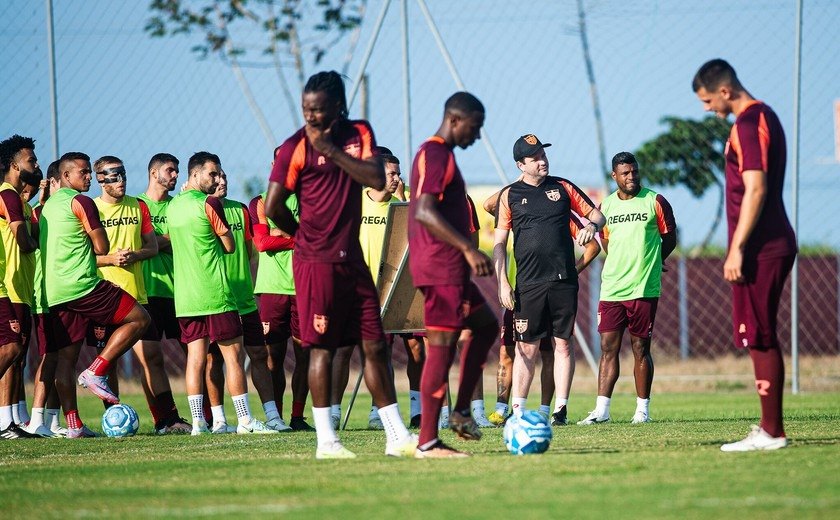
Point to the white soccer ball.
(528, 434)
(120, 420)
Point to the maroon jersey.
(757, 142)
(330, 200)
(433, 261)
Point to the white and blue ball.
(120, 420)
(528, 434)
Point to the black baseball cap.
(386, 155)
(526, 146)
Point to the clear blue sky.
(122, 93)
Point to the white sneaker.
(595, 417)
(333, 450)
(443, 423)
(60, 431)
(640, 417)
(256, 427)
(336, 421)
(375, 423)
(278, 424)
(758, 439)
(404, 448)
(40, 431)
(482, 421)
(199, 428)
(222, 428)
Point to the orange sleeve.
(85, 210)
(216, 215)
(664, 216)
(580, 202)
(289, 161)
(504, 219)
(145, 219)
(249, 231)
(574, 226)
(368, 142)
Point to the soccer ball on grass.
(528, 434)
(120, 420)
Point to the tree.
(287, 32)
(689, 153)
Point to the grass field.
(669, 468)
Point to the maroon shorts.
(341, 307)
(215, 327)
(755, 303)
(162, 312)
(279, 316)
(9, 323)
(637, 316)
(506, 334)
(44, 333)
(252, 329)
(106, 303)
(24, 318)
(447, 307)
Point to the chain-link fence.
(121, 91)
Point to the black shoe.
(414, 422)
(16, 432)
(299, 424)
(464, 426)
(558, 418)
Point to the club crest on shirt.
(15, 326)
(354, 150)
(553, 195)
(265, 328)
(521, 326)
(99, 333)
(320, 323)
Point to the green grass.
(669, 468)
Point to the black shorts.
(162, 312)
(545, 310)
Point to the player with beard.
(325, 164)
(640, 234)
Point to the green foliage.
(688, 153)
(253, 186)
(670, 468)
(278, 19)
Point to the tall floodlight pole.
(794, 285)
(53, 94)
(460, 84)
(357, 81)
(406, 82)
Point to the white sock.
(37, 418)
(502, 408)
(218, 414)
(374, 413)
(477, 407)
(243, 411)
(602, 405)
(196, 407)
(270, 408)
(395, 429)
(335, 410)
(560, 403)
(15, 414)
(444, 411)
(518, 405)
(323, 426)
(23, 412)
(5, 417)
(51, 418)
(414, 403)
(545, 409)
(643, 405)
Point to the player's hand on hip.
(732, 266)
(480, 263)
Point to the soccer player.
(538, 208)
(204, 302)
(375, 205)
(640, 234)
(762, 246)
(325, 164)
(441, 258)
(275, 289)
(71, 236)
(238, 269)
(20, 168)
(127, 222)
